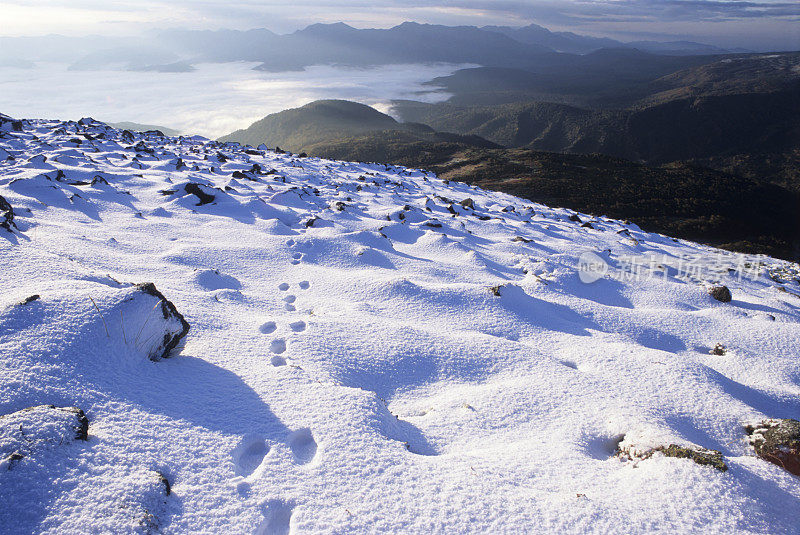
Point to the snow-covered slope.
(366, 352)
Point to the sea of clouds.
(213, 100)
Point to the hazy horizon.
(757, 25)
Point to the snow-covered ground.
(365, 353)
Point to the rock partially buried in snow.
(720, 293)
(777, 441)
(200, 191)
(699, 455)
(28, 431)
(174, 325)
(638, 447)
(6, 214)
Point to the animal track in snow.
(277, 515)
(278, 360)
(290, 298)
(249, 454)
(283, 286)
(278, 346)
(298, 326)
(304, 285)
(303, 445)
(268, 327)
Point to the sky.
(758, 25)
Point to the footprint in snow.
(283, 286)
(249, 454)
(303, 445)
(268, 327)
(298, 326)
(304, 285)
(278, 346)
(277, 515)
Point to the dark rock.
(719, 350)
(166, 192)
(484, 217)
(99, 180)
(278, 150)
(720, 293)
(6, 215)
(245, 174)
(495, 290)
(143, 147)
(310, 222)
(587, 225)
(339, 206)
(164, 481)
(467, 203)
(574, 218)
(12, 459)
(521, 239)
(302, 155)
(778, 441)
(29, 299)
(197, 190)
(168, 311)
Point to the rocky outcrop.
(777, 441)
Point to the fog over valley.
(212, 100)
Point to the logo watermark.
(699, 267)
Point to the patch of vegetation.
(702, 457)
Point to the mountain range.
(176, 50)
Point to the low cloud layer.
(232, 95)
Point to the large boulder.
(777, 441)
(28, 431)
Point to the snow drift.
(371, 349)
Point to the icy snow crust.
(349, 368)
